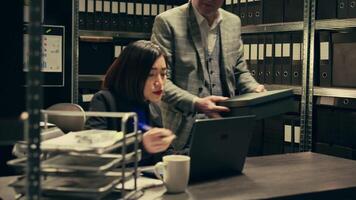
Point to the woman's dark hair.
(127, 75)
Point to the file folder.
(278, 61)
(269, 59)
(90, 19)
(297, 66)
(130, 16)
(146, 21)
(82, 14)
(114, 21)
(258, 12)
(254, 56)
(261, 57)
(250, 12)
(342, 9)
(273, 11)
(352, 8)
(138, 16)
(344, 59)
(98, 15)
(243, 12)
(286, 59)
(106, 15)
(326, 9)
(293, 10)
(325, 60)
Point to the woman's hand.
(157, 140)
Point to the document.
(87, 140)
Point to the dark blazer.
(105, 101)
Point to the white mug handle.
(158, 167)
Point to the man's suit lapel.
(225, 38)
(194, 33)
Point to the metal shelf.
(335, 24)
(296, 89)
(113, 34)
(89, 78)
(335, 92)
(276, 27)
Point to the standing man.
(205, 63)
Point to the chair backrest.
(67, 123)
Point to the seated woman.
(135, 83)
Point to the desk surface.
(263, 177)
(273, 176)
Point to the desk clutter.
(86, 164)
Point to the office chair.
(67, 123)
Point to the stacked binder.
(122, 15)
(274, 58)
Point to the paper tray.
(79, 187)
(79, 164)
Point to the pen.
(144, 126)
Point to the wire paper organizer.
(82, 165)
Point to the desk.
(287, 176)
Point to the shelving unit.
(113, 34)
(271, 28)
(335, 24)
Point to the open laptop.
(219, 146)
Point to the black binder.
(114, 21)
(254, 56)
(106, 15)
(146, 18)
(342, 8)
(130, 16)
(344, 59)
(250, 12)
(243, 12)
(138, 27)
(286, 59)
(269, 59)
(261, 59)
(90, 19)
(326, 9)
(352, 8)
(82, 14)
(122, 15)
(325, 60)
(247, 53)
(258, 12)
(273, 11)
(236, 8)
(278, 60)
(293, 10)
(297, 64)
(98, 15)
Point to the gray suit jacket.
(177, 32)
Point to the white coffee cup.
(176, 169)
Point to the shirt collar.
(201, 19)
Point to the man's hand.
(207, 105)
(260, 88)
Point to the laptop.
(219, 146)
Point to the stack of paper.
(88, 140)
